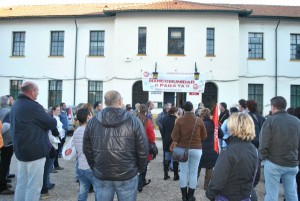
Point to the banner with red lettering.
(173, 82)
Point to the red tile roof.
(103, 9)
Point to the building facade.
(75, 53)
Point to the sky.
(40, 2)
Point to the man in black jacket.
(115, 146)
(29, 129)
(278, 144)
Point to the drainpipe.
(276, 59)
(75, 63)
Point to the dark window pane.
(142, 40)
(176, 41)
(97, 43)
(255, 92)
(95, 91)
(57, 43)
(55, 92)
(255, 45)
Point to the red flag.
(216, 123)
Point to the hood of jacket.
(112, 117)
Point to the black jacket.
(29, 126)
(115, 145)
(223, 116)
(209, 156)
(167, 128)
(233, 174)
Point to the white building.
(75, 53)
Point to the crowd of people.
(114, 145)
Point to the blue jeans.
(126, 190)
(189, 170)
(86, 179)
(29, 180)
(47, 169)
(273, 173)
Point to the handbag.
(182, 154)
(223, 198)
(153, 149)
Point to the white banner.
(173, 82)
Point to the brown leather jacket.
(183, 130)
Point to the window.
(142, 40)
(15, 88)
(256, 92)
(255, 45)
(18, 44)
(55, 92)
(57, 43)
(295, 46)
(295, 95)
(176, 41)
(95, 91)
(210, 41)
(97, 43)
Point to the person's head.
(4, 101)
(150, 105)
(166, 107)
(205, 113)
(128, 107)
(173, 110)
(291, 110)
(83, 115)
(137, 106)
(98, 106)
(180, 111)
(252, 106)
(233, 110)
(113, 99)
(63, 106)
(297, 112)
(223, 106)
(11, 100)
(241, 125)
(242, 105)
(30, 89)
(143, 108)
(200, 105)
(187, 106)
(56, 110)
(278, 103)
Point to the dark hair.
(128, 107)
(142, 114)
(291, 110)
(224, 105)
(54, 107)
(242, 102)
(96, 104)
(278, 102)
(187, 106)
(172, 110)
(233, 110)
(62, 104)
(82, 115)
(252, 106)
(297, 112)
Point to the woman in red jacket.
(151, 139)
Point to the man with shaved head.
(115, 146)
(29, 129)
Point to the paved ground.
(158, 190)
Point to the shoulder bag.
(181, 154)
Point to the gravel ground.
(66, 188)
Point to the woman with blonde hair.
(234, 176)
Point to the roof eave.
(240, 13)
(272, 17)
(53, 16)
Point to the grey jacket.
(280, 138)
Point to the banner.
(173, 82)
(216, 123)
